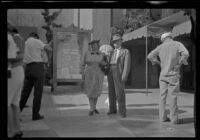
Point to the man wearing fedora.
(172, 55)
(117, 75)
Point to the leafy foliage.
(135, 19)
(49, 26)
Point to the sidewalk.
(66, 115)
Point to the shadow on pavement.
(147, 112)
(141, 105)
(187, 120)
(70, 105)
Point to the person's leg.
(173, 92)
(92, 106)
(13, 121)
(27, 87)
(14, 88)
(111, 94)
(10, 121)
(120, 94)
(38, 90)
(16, 116)
(162, 100)
(95, 104)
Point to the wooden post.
(54, 63)
(146, 62)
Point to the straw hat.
(116, 37)
(93, 42)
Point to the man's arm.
(83, 65)
(184, 54)
(153, 56)
(47, 46)
(127, 66)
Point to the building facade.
(99, 22)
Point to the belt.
(32, 63)
(113, 64)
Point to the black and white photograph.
(101, 72)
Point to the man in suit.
(117, 75)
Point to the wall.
(117, 15)
(101, 25)
(33, 18)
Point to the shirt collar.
(118, 48)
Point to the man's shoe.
(18, 134)
(110, 113)
(166, 120)
(91, 113)
(40, 117)
(96, 111)
(179, 121)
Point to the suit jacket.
(124, 63)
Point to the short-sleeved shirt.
(170, 53)
(33, 50)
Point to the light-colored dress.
(93, 75)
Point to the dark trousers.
(34, 77)
(116, 91)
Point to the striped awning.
(177, 23)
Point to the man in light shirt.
(34, 73)
(172, 55)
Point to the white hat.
(163, 36)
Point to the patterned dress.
(93, 74)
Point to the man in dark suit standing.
(119, 68)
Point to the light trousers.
(169, 86)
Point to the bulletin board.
(67, 55)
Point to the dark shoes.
(93, 112)
(123, 116)
(178, 121)
(39, 117)
(166, 120)
(96, 111)
(113, 112)
(18, 134)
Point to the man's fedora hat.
(116, 37)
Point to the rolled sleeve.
(153, 54)
(40, 43)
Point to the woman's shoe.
(96, 111)
(91, 113)
(18, 134)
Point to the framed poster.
(67, 53)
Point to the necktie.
(114, 56)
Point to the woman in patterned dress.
(92, 74)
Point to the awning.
(177, 23)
